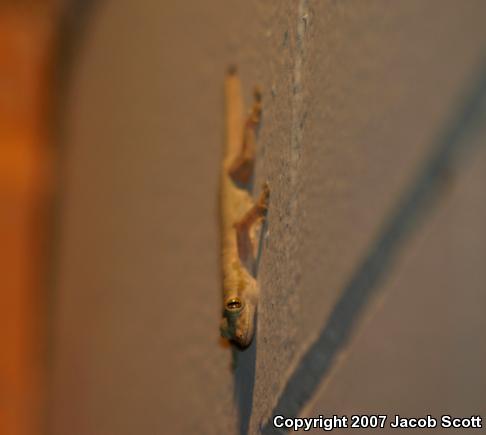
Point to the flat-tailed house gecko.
(241, 217)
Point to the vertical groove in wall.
(298, 106)
(292, 212)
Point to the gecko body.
(241, 217)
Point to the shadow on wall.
(244, 380)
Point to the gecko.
(241, 217)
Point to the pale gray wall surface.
(372, 273)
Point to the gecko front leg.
(246, 230)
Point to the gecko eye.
(234, 305)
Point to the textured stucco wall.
(368, 237)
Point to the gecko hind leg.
(241, 170)
(244, 230)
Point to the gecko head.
(237, 324)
